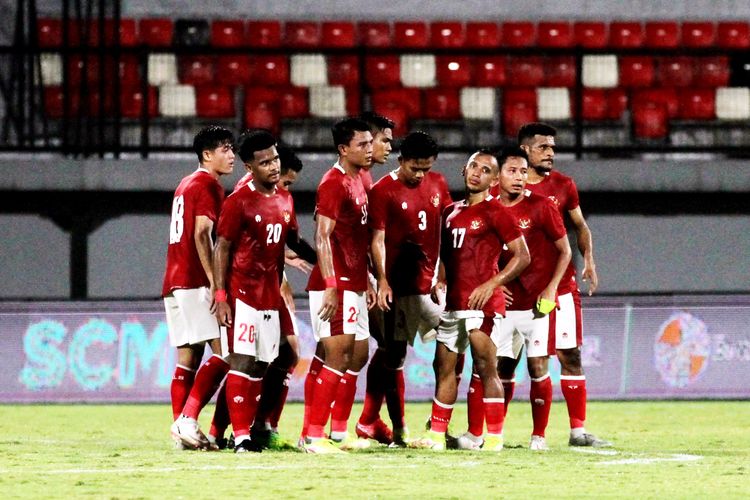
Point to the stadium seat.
(156, 32)
(711, 71)
(410, 34)
(261, 110)
(51, 67)
(177, 100)
(590, 35)
(353, 101)
(192, 33)
(489, 71)
(131, 102)
(80, 69)
(733, 103)
(697, 104)
(519, 107)
(525, 71)
(343, 70)
(54, 102)
(195, 70)
(328, 101)
(127, 33)
(662, 35)
(226, 33)
(636, 71)
(560, 71)
(674, 71)
(594, 105)
(519, 34)
(698, 34)
(482, 35)
(733, 35)
(233, 69)
(624, 35)
(269, 70)
(293, 102)
(382, 71)
(399, 116)
(407, 99)
(617, 103)
(445, 34)
(301, 34)
(374, 34)
(666, 97)
(263, 34)
(478, 103)
(214, 101)
(338, 34)
(442, 104)
(129, 70)
(162, 69)
(49, 33)
(418, 70)
(600, 71)
(308, 70)
(650, 121)
(553, 103)
(554, 34)
(454, 71)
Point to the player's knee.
(506, 367)
(538, 367)
(395, 355)
(570, 361)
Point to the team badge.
(287, 217)
(524, 223)
(404, 206)
(554, 200)
(435, 200)
(257, 218)
(475, 224)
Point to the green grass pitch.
(662, 450)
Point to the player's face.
(359, 150)
(382, 146)
(220, 160)
(287, 179)
(265, 166)
(480, 172)
(413, 171)
(541, 151)
(513, 175)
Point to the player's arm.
(512, 269)
(220, 265)
(301, 248)
(204, 245)
(586, 246)
(294, 260)
(287, 294)
(563, 259)
(323, 233)
(438, 290)
(377, 249)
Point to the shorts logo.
(565, 335)
(404, 206)
(524, 223)
(266, 317)
(287, 217)
(537, 343)
(435, 200)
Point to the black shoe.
(261, 437)
(230, 441)
(246, 446)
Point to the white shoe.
(322, 447)
(587, 439)
(468, 441)
(188, 431)
(538, 443)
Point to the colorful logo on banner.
(682, 349)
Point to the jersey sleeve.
(331, 192)
(552, 222)
(504, 225)
(230, 220)
(208, 200)
(572, 201)
(378, 206)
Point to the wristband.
(330, 282)
(220, 296)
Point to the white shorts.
(454, 328)
(568, 328)
(519, 328)
(415, 314)
(255, 333)
(189, 318)
(351, 317)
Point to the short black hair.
(511, 152)
(377, 122)
(210, 138)
(493, 152)
(418, 145)
(343, 131)
(254, 140)
(289, 159)
(529, 130)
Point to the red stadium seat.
(482, 35)
(666, 97)
(447, 35)
(554, 34)
(214, 101)
(560, 71)
(650, 121)
(617, 103)
(399, 116)
(624, 35)
(226, 33)
(442, 104)
(591, 35)
(129, 71)
(49, 32)
(375, 34)
(269, 70)
(526, 71)
(338, 34)
(156, 32)
(697, 104)
(594, 105)
(711, 71)
(454, 71)
(675, 71)
(261, 108)
(353, 101)
(519, 34)
(127, 33)
(233, 69)
(131, 102)
(383, 71)
(77, 72)
(343, 70)
(410, 34)
(302, 34)
(263, 34)
(54, 102)
(489, 71)
(733, 35)
(662, 35)
(195, 70)
(519, 107)
(294, 102)
(407, 99)
(698, 34)
(636, 71)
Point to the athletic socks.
(441, 416)
(494, 413)
(574, 390)
(475, 405)
(326, 386)
(207, 381)
(540, 396)
(375, 389)
(275, 415)
(394, 396)
(342, 406)
(243, 393)
(312, 375)
(274, 383)
(182, 382)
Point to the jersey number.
(274, 233)
(246, 334)
(177, 226)
(364, 214)
(458, 236)
(422, 220)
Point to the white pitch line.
(677, 457)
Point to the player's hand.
(298, 263)
(288, 295)
(508, 295)
(371, 296)
(385, 295)
(211, 301)
(438, 292)
(330, 304)
(481, 295)
(589, 276)
(548, 294)
(223, 314)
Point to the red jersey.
(197, 194)
(563, 192)
(472, 239)
(541, 225)
(257, 226)
(367, 181)
(342, 198)
(410, 217)
(244, 180)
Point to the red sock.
(207, 381)
(220, 421)
(182, 381)
(315, 366)
(273, 384)
(441, 416)
(494, 414)
(243, 393)
(275, 416)
(394, 396)
(574, 391)
(508, 387)
(540, 396)
(475, 406)
(327, 385)
(375, 390)
(342, 406)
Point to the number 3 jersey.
(410, 217)
(198, 194)
(472, 239)
(257, 225)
